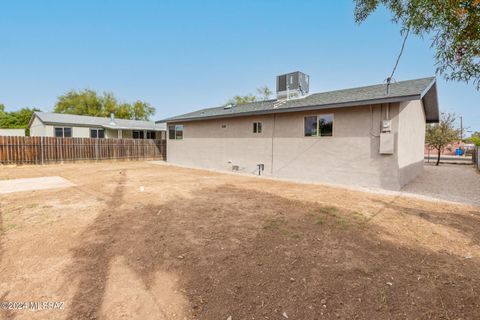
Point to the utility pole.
(461, 128)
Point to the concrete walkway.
(459, 183)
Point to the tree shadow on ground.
(251, 254)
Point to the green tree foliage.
(16, 119)
(90, 103)
(264, 93)
(439, 135)
(475, 138)
(454, 26)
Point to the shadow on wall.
(250, 254)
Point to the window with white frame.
(319, 126)
(150, 134)
(97, 133)
(137, 134)
(175, 132)
(257, 127)
(63, 132)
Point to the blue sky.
(185, 55)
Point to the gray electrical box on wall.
(386, 143)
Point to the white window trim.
(175, 134)
(63, 131)
(257, 122)
(97, 129)
(318, 128)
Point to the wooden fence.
(42, 150)
(476, 157)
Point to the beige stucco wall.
(351, 156)
(411, 140)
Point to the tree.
(454, 25)
(439, 135)
(264, 93)
(475, 138)
(16, 119)
(90, 103)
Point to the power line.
(389, 79)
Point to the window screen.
(63, 132)
(171, 132)
(310, 126)
(67, 132)
(325, 125)
(179, 132)
(59, 132)
(257, 127)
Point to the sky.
(181, 56)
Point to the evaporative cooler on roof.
(291, 85)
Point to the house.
(12, 132)
(47, 124)
(369, 136)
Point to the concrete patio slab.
(30, 184)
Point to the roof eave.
(299, 109)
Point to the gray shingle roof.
(399, 91)
(124, 124)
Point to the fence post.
(96, 149)
(41, 148)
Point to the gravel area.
(459, 183)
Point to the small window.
(257, 127)
(224, 126)
(323, 127)
(150, 134)
(179, 132)
(137, 134)
(63, 132)
(97, 133)
(175, 132)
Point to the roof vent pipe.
(112, 119)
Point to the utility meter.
(386, 125)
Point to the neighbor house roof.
(76, 120)
(418, 89)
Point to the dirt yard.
(136, 240)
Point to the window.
(137, 134)
(61, 132)
(97, 133)
(175, 132)
(325, 125)
(310, 126)
(257, 127)
(321, 126)
(224, 126)
(150, 134)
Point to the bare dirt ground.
(135, 240)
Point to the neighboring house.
(361, 136)
(12, 132)
(47, 124)
(450, 149)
